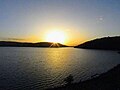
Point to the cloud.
(14, 39)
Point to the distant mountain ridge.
(106, 43)
(22, 44)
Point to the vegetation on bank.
(106, 81)
(21, 44)
(106, 43)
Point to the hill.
(106, 43)
(39, 44)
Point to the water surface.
(39, 68)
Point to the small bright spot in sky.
(101, 18)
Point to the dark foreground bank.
(106, 81)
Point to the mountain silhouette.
(106, 43)
(21, 44)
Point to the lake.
(25, 68)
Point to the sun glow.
(56, 36)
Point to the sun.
(56, 36)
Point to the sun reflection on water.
(55, 62)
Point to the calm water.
(40, 68)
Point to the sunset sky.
(79, 20)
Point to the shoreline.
(109, 80)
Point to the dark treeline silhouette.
(69, 79)
(106, 43)
(39, 44)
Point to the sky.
(81, 20)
